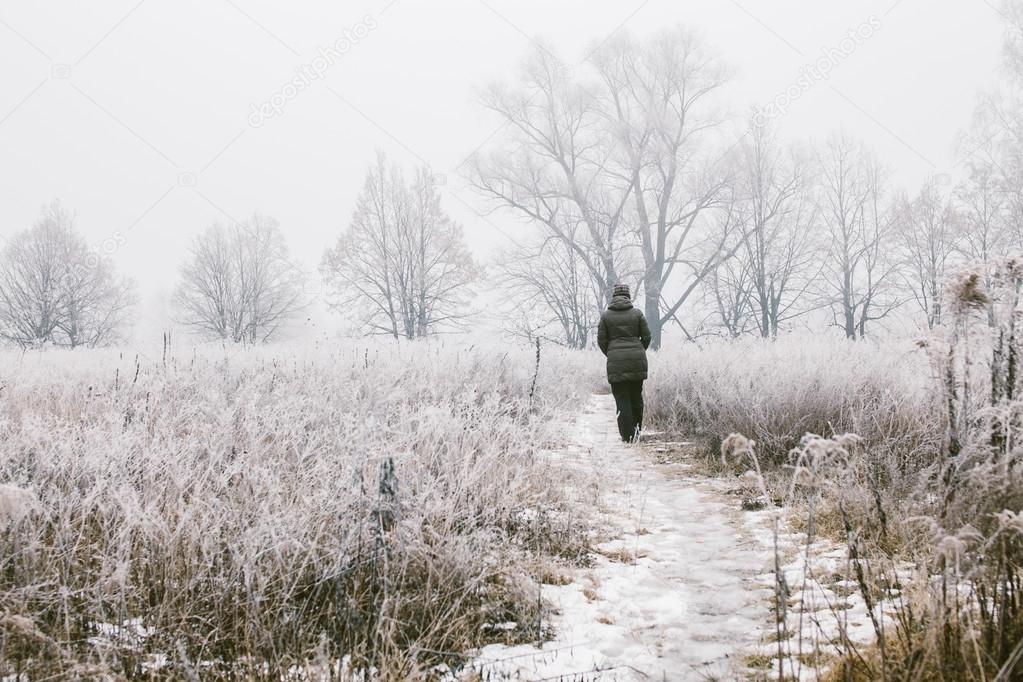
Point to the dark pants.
(629, 401)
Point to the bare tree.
(860, 267)
(731, 284)
(54, 289)
(983, 208)
(656, 104)
(239, 283)
(929, 233)
(625, 157)
(552, 168)
(991, 150)
(1011, 12)
(550, 288)
(778, 246)
(402, 258)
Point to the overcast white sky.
(118, 107)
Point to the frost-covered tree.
(991, 150)
(779, 248)
(930, 234)
(618, 163)
(402, 266)
(860, 272)
(657, 103)
(239, 283)
(55, 290)
(551, 170)
(549, 291)
(982, 205)
(731, 286)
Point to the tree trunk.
(850, 323)
(652, 311)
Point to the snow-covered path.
(672, 596)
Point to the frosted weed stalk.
(818, 466)
(250, 515)
(926, 499)
(736, 450)
(961, 617)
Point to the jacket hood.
(620, 303)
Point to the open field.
(256, 511)
(524, 340)
(418, 510)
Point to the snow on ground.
(684, 587)
(825, 605)
(681, 585)
(672, 596)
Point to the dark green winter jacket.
(623, 336)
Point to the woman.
(623, 336)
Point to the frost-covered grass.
(926, 496)
(776, 392)
(246, 512)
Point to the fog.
(139, 116)
(491, 339)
